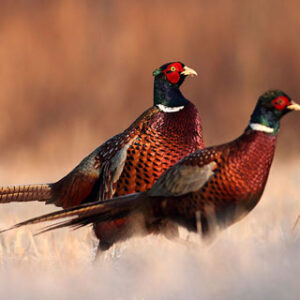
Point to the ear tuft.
(156, 72)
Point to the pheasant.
(207, 190)
(130, 161)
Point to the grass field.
(258, 258)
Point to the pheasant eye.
(173, 68)
(281, 102)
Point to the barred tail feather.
(86, 214)
(24, 193)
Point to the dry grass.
(258, 258)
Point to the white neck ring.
(167, 109)
(260, 127)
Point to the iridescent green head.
(270, 108)
(167, 80)
(174, 73)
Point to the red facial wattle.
(173, 71)
(281, 102)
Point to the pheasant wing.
(96, 177)
(188, 175)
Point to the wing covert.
(188, 175)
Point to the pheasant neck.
(264, 120)
(168, 96)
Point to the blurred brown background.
(74, 73)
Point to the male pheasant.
(130, 161)
(210, 188)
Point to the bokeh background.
(74, 73)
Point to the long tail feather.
(24, 193)
(79, 222)
(88, 213)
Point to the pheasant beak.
(294, 106)
(188, 71)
